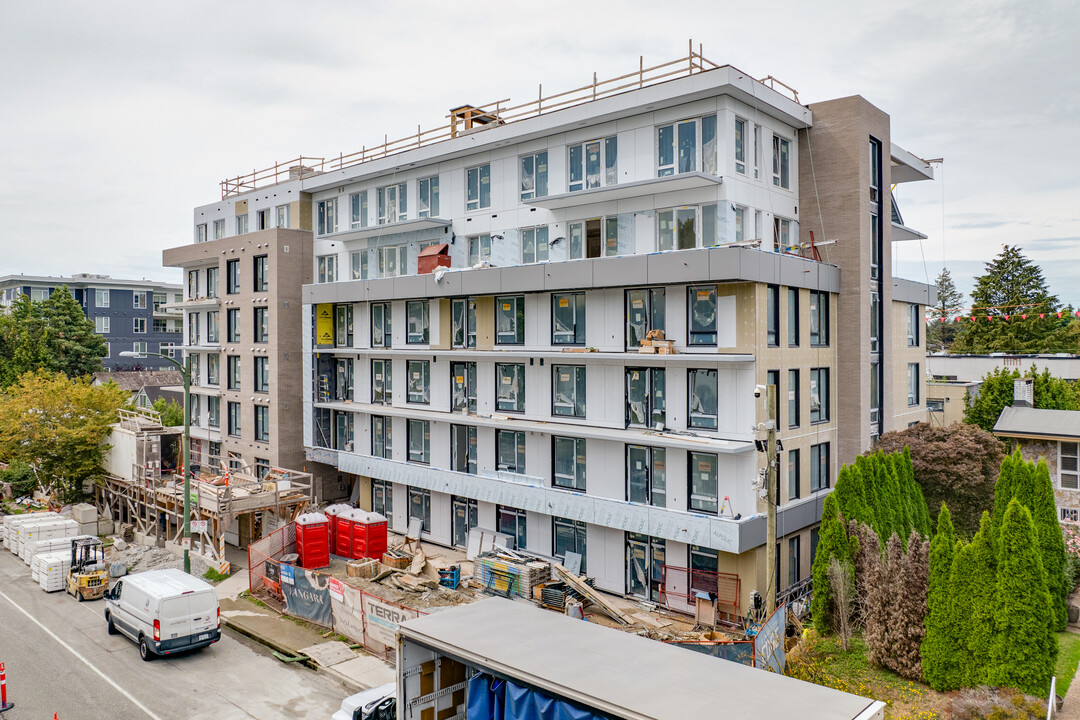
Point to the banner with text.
(307, 596)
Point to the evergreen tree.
(909, 614)
(1004, 490)
(1013, 285)
(1051, 541)
(1023, 650)
(74, 346)
(878, 602)
(978, 616)
(959, 606)
(942, 331)
(939, 657)
(832, 542)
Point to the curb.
(310, 664)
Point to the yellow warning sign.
(324, 325)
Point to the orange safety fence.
(679, 585)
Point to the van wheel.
(144, 650)
(112, 628)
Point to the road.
(59, 658)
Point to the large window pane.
(463, 386)
(510, 387)
(510, 451)
(644, 312)
(510, 320)
(703, 483)
(569, 537)
(419, 441)
(416, 313)
(569, 462)
(703, 389)
(702, 320)
(381, 375)
(463, 448)
(568, 319)
(419, 382)
(569, 390)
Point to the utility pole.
(771, 472)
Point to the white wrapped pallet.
(13, 527)
(57, 529)
(53, 571)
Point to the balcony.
(624, 191)
(394, 228)
(194, 304)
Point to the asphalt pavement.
(60, 659)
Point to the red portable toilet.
(368, 533)
(332, 513)
(313, 540)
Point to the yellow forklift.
(88, 578)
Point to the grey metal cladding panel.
(484, 281)
(752, 533)
(380, 290)
(752, 266)
(794, 273)
(678, 267)
(725, 263)
(523, 277)
(621, 271)
(913, 292)
(411, 286)
(829, 277)
(569, 275)
(314, 294)
(450, 285)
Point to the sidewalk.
(284, 635)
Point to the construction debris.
(593, 596)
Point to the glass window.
(380, 325)
(392, 203)
(479, 249)
(702, 320)
(241, 224)
(381, 437)
(419, 383)
(463, 386)
(645, 559)
(740, 146)
(327, 269)
(213, 369)
(793, 398)
(478, 187)
(138, 300)
(463, 322)
(381, 376)
(772, 313)
(416, 317)
(1069, 465)
(262, 325)
(510, 451)
(534, 245)
(359, 209)
(463, 448)
(429, 197)
(646, 475)
(420, 506)
(819, 467)
(677, 228)
(569, 537)
(232, 325)
(875, 322)
(465, 517)
(393, 261)
(703, 389)
(510, 320)
(740, 223)
(511, 522)
(211, 282)
(568, 318)
(419, 441)
(510, 387)
(262, 374)
(645, 311)
(781, 162)
(200, 233)
(233, 364)
(193, 410)
(686, 146)
(704, 565)
(703, 483)
(819, 394)
(914, 321)
(793, 317)
(138, 325)
(359, 260)
(793, 560)
(281, 214)
(261, 273)
(327, 213)
(343, 326)
(534, 178)
(645, 397)
(102, 296)
(593, 164)
(262, 423)
(793, 475)
(139, 347)
(219, 229)
(213, 410)
(819, 318)
(234, 419)
(568, 397)
(212, 327)
(569, 463)
(382, 497)
(875, 392)
(913, 384)
(193, 328)
(232, 277)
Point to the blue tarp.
(494, 699)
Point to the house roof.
(168, 394)
(1034, 422)
(136, 380)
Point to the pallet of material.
(506, 575)
(578, 584)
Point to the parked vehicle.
(378, 703)
(164, 611)
(88, 578)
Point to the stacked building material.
(503, 573)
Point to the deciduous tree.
(996, 393)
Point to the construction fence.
(321, 598)
(680, 585)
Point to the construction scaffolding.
(144, 487)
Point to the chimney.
(1024, 392)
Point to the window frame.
(654, 468)
(381, 387)
(534, 245)
(820, 467)
(794, 475)
(234, 427)
(387, 213)
(650, 298)
(696, 502)
(819, 318)
(470, 465)
(576, 480)
(914, 322)
(232, 276)
(520, 451)
(691, 414)
(424, 318)
(262, 423)
(261, 330)
(465, 310)
(479, 249)
(516, 378)
(327, 216)
(772, 315)
(233, 372)
(576, 377)
(232, 325)
(420, 497)
(704, 134)
(102, 324)
(477, 196)
(138, 325)
(382, 437)
(1063, 456)
(794, 399)
(413, 427)
(327, 268)
(576, 335)
(819, 377)
(467, 386)
(579, 529)
(655, 403)
(793, 329)
(913, 384)
(422, 396)
(781, 162)
(520, 533)
(213, 369)
(537, 188)
(517, 307)
(578, 175)
(427, 196)
(383, 310)
(260, 273)
(701, 337)
(261, 374)
(358, 210)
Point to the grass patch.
(246, 595)
(1067, 660)
(821, 660)
(214, 576)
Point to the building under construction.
(143, 487)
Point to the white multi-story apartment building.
(507, 391)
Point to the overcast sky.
(118, 118)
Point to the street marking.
(84, 661)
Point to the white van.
(378, 703)
(164, 611)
